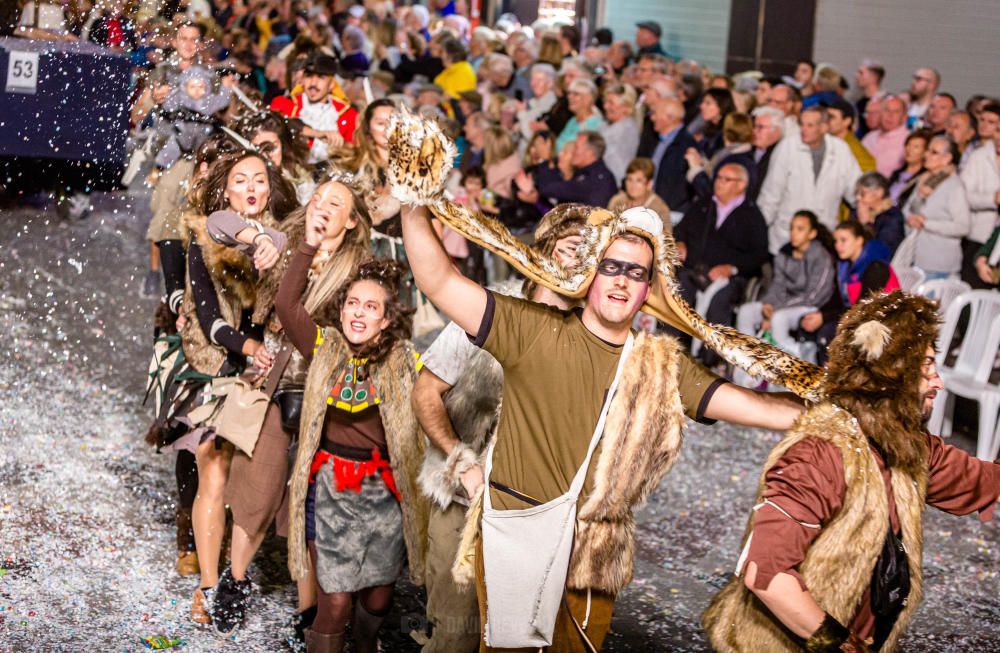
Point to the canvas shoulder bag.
(526, 553)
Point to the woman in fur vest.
(832, 555)
(256, 485)
(354, 496)
(218, 334)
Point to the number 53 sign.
(22, 72)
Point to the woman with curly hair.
(270, 132)
(218, 334)
(355, 508)
(256, 485)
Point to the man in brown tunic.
(841, 497)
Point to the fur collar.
(229, 268)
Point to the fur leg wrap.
(463, 571)
(828, 637)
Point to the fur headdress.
(874, 370)
(420, 158)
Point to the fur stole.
(838, 565)
(642, 437)
(393, 376)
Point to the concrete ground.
(86, 530)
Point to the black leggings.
(186, 473)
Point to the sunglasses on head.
(610, 267)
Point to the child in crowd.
(188, 111)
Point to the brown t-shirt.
(808, 483)
(556, 376)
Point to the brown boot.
(199, 606)
(187, 563)
(320, 643)
(365, 627)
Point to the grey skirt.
(359, 535)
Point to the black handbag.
(290, 403)
(890, 586)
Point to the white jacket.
(981, 178)
(790, 185)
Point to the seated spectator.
(639, 192)
(803, 281)
(876, 211)
(737, 130)
(716, 104)
(887, 142)
(767, 131)
(475, 138)
(497, 75)
(788, 101)
(987, 262)
(559, 115)
(353, 60)
(872, 116)
(430, 95)
(581, 96)
(500, 160)
(415, 58)
(988, 121)
(863, 269)
(529, 118)
(621, 132)
(904, 179)
(667, 154)
(724, 237)
(981, 178)
(580, 175)
(938, 213)
(812, 171)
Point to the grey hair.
(595, 143)
(546, 69)
(584, 86)
(776, 116)
(871, 181)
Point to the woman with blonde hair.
(621, 133)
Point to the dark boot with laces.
(230, 604)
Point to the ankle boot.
(365, 627)
(320, 643)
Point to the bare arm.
(461, 299)
(792, 605)
(766, 410)
(428, 406)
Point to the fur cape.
(235, 283)
(394, 376)
(838, 565)
(642, 437)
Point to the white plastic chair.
(703, 299)
(969, 377)
(909, 277)
(943, 291)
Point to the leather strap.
(278, 368)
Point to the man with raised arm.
(592, 417)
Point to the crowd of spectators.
(542, 115)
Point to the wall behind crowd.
(957, 38)
(692, 29)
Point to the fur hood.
(394, 376)
(838, 565)
(874, 371)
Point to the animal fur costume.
(235, 285)
(393, 376)
(872, 384)
(473, 404)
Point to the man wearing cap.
(647, 37)
(330, 120)
(832, 554)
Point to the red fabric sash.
(348, 474)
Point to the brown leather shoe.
(320, 643)
(187, 563)
(199, 606)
